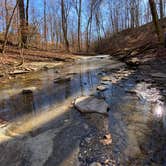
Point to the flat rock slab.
(91, 104)
(106, 78)
(102, 88)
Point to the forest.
(82, 82)
(72, 25)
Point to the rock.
(100, 74)
(112, 79)
(101, 88)
(133, 61)
(106, 78)
(127, 49)
(95, 164)
(107, 139)
(132, 91)
(56, 71)
(107, 136)
(34, 68)
(50, 65)
(91, 104)
(1, 75)
(134, 53)
(105, 82)
(28, 90)
(62, 80)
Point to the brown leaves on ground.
(35, 55)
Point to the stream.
(40, 126)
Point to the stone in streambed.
(28, 90)
(133, 61)
(106, 78)
(62, 80)
(101, 88)
(105, 83)
(112, 79)
(91, 104)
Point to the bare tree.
(23, 24)
(7, 13)
(78, 7)
(27, 19)
(161, 10)
(27, 13)
(155, 20)
(8, 27)
(64, 15)
(45, 23)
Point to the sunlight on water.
(27, 123)
(159, 110)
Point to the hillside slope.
(129, 39)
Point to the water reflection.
(48, 93)
(129, 115)
(131, 120)
(158, 109)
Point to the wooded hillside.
(76, 25)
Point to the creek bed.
(38, 107)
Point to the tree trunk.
(155, 20)
(7, 28)
(7, 14)
(23, 26)
(27, 13)
(64, 25)
(79, 24)
(27, 20)
(161, 10)
(88, 35)
(45, 24)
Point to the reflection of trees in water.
(67, 89)
(53, 94)
(17, 105)
(88, 79)
(28, 101)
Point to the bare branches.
(7, 28)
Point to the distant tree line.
(74, 24)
